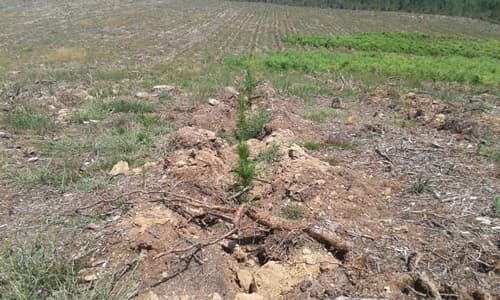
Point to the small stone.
(92, 226)
(230, 92)
(180, 164)
(120, 168)
(216, 296)
(90, 277)
(143, 95)
(387, 192)
(62, 114)
(33, 159)
(484, 220)
(148, 296)
(4, 135)
(350, 120)
(213, 102)
(245, 279)
(239, 254)
(163, 87)
(137, 171)
(243, 296)
(149, 165)
(320, 182)
(306, 251)
(438, 120)
(326, 266)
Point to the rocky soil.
(177, 229)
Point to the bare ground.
(171, 232)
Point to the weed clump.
(421, 186)
(23, 119)
(292, 212)
(35, 270)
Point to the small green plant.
(312, 146)
(246, 168)
(22, 119)
(248, 127)
(241, 119)
(268, 156)
(249, 84)
(227, 137)
(91, 111)
(341, 145)
(130, 106)
(332, 161)
(320, 115)
(496, 205)
(292, 212)
(421, 186)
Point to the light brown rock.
(245, 279)
(243, 296)
(120, 168)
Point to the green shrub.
(496, 205)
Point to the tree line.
(484, 9)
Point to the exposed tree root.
(334, 243)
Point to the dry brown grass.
(67, 54)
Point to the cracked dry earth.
(175, 230)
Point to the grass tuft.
(35, 269)
(23, 119)
(421, 186)
(129, 106)
(268, 156)
(292, 212)
(312, 146)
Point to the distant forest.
(484, 9)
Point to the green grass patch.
(480, 70)
(129, 106)
(415, 57)
(489, 153)
(312, 146)
(292, 212)
(421, 186)
(35, 269)
(320, 115)
(341, 145)
(90, 111)
(268, 156)
(22, 119)
(409, 43)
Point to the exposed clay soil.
(166, 231)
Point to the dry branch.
(330, 240)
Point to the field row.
(86, 36)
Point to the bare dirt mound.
(304, 229)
